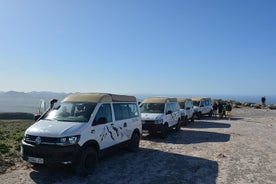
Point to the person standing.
(228, 110)
(215, 109)
(263, 101)
(224, 110)
(220, 107)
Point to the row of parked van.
(160, 114)
(84, 126)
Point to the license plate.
(36, 160)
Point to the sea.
(29, 102)
(270, 99)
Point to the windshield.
(182, 105)
(72, 111)
(152, 108)
(196, 103)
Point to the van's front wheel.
(87, 162)
(165, 131)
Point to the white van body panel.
(204, 106)
(47, 128)
(106, 135)
(158, 118)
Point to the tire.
(178, 125)
(192, 118)
(184, 121)
(87, 162)
(199, 115)
(134, 142)
(165, 131)
(210, 113)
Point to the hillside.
(13, 101)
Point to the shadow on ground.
(185, 136)
(146, 166)
(208, 124)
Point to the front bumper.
(50, 154)
(152, 127)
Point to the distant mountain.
(13, 101)
(14, 93)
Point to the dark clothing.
(220, 107)
(228, 107)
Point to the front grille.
(44, 140)
(148, 122)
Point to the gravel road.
(211, 150)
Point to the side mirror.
(52, 103)
(169, 112)
(37, 116)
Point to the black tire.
(134, 142)
(165, 131)
(87, 162)
(184, 121)
(199, 115)
(210, 113)
(193, 119)
(178, 125)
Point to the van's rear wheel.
(87, 162)
(134, 142)
(178, 125)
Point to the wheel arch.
(136, 130)
(91, 143)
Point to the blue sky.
(221, 47)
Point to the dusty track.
(241, 150)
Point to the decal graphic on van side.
(113, 132)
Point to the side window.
(168, 108)
(104, 115)
(125, 110)
(133, 110)
(202, 103)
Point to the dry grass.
(11, 134)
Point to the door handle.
(125, 124)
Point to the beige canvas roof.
(159, 100)
(182, 99)
(200, 98)
(98, 97)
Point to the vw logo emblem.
(37, 140)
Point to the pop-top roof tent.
(159, 100)
(98, 97)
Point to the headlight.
(69, 140)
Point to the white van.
(202, 107)
(186, 109)
(81, 128)
(159, 114)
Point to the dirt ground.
(211, 150)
